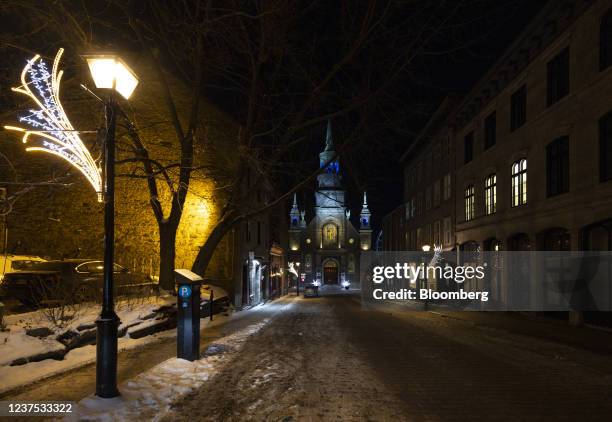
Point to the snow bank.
(16, 344)
(150, 395)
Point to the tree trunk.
(167, 255)
(208, 249)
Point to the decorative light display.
(49, 122)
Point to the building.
(259, 244)
(427, 214)
(532, 140)
(327, 249)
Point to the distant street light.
(110, 73)
(426, 248)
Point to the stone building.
(260, 249)
(532, 140)
(327, 248)
(427, 214)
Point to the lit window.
(519, 182)
(491, 194)
(469, 203)
(330, 235)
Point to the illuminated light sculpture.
(50, 123)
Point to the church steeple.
(329, 140)
(364, 217)
(294, 215)
(327, 158)
(365, 228)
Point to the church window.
(330, 235)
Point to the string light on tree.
(54, 132)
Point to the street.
(326, 359)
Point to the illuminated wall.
(65, 220)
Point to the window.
(412, 207)
(557, 166)
(519, 182)
(419, 172)
(436, 233)
(447, 231)
(468, 200)
(427, 240)
(468, 147)
(490, 131)
(420, 203)
(330, 235)
(446, 146)
(447, 186)
(419, 238)
(490, 194)
(428, 198)
(436, 193)
(605, 147)
(259, 232)
(518, 108)
(558, 77)
(247, 231)
(605, 41)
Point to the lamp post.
(109, 73)
(424, 284)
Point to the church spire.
(364, 217)
(294, 215)
(329, 140)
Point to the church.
(326, 250)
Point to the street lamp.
(110, 73)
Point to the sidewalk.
(79, 382)
(593, 340)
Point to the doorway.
(330, 272)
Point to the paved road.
(326, 359)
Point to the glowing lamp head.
(426, 248)
(110, 72)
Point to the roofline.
(448, 104)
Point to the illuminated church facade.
(327, 249)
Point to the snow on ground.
(150, 395)
(15, 343)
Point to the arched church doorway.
(330, 271)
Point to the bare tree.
(282, 67)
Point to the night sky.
(451, 62)
(461, 57)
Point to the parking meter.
(188, 305)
